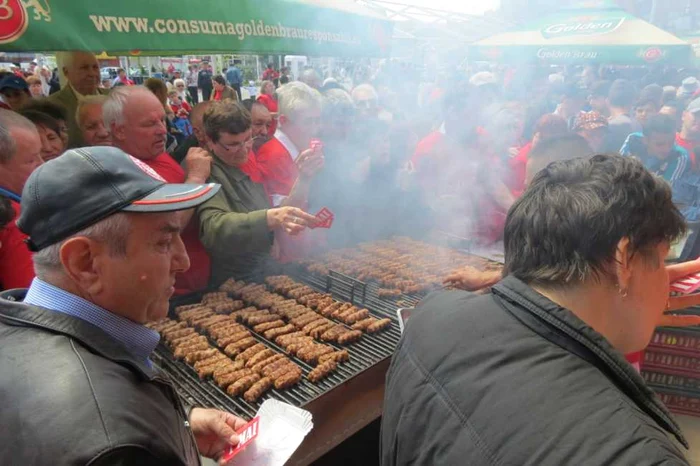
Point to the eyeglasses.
(180, 85)
(236, 146)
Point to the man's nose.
(180, 260)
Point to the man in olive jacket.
(83, 74)
(237, 226)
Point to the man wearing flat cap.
(77, 381)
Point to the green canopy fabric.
(304, 27)
(595, 31)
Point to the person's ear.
(118, 132)
(283, 120)
(623, 265)
(208, 142)
(80, 257)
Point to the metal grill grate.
(365, 353)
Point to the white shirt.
(288, 144)
(277, 199)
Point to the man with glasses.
(237, 226)
(299, 123)
(136, 119)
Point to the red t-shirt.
(16, 267)
(690, 146)
(197, 277)
(252, 169)
(271, 104)
(426, 148)
(217, 95)
(278, 170)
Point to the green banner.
(254, 26)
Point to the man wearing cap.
(83, 74)
(20, 154)
(593, 127)
(78, 384)
(14, 92)
(135, 118)
(689, 135)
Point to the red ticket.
(246, 434)
(687, 284)
(325, 218)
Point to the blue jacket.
(234, 76)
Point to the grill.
(365, 353)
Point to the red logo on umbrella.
(13, 20)
(652, 54)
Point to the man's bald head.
(136, 119)
(197, 120)
(81, 70)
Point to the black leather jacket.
(72, 395)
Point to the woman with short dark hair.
(541, 356)
(222, 91)
(52, 145)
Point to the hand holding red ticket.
(214, 431)
(324, 218)
(246, 434)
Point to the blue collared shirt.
(10, 195)
(139, 340)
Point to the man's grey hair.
(296, 97)
(113, 230)
(337, 102)
(113, 108)
(86, 102)
(10, 120)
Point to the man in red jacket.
(137, 121)
(299, 122)
(20, 149)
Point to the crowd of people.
(493, 155)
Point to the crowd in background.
(396, 155)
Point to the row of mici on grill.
(247, 367)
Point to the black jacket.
(204, 79)
(72, 395)
(511, 378)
